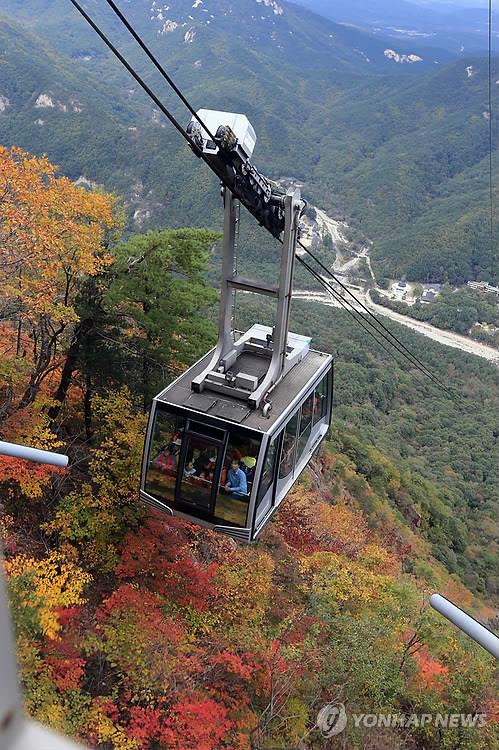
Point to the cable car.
(193, 438)
(227, 440)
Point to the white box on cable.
(239, 124)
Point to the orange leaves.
(342, 527)
(52, 236)
(50, 233)
(30, 478)
(432, 673)
(492, 711)
(308, 524)
(31, 426)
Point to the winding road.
(447, 338)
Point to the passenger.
(170, 466)
(189, 470)
(236, 483)
(209, 468)
(288, 447)
(236, 455)
(223, 476)
(248, 464)
(174, 453)
(160, 461)
(198, 460)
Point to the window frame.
(324, 402)
(221, 446)
(296, 414)
(148, 444)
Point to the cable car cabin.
(211, 459)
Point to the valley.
(137, 629)
(403, 158)
(345, 261)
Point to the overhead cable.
(398, 345)
(157, 64)
(378, 324)
(132, 72)
(360, 320)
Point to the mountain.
(460, 30)
(61, 59)
(138, 631)
(414, 172)
(403, 157)
(286, 32)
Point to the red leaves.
(30, 477)
(147, 611)
(67, 672)
(193, 723)
(159, 555)
(145, 725)
(296, 529)
(196, 724)
(241, 666)
(432, 674)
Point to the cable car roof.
(233, 410)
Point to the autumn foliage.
(137, 631)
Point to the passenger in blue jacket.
(236, 481)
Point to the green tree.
(159, 298)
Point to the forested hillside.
(138, 631)
(399, 149)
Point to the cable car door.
(200, 467)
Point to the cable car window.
(268, 472)
(305, 423)
(320, 402)
(236, 479)
(288, 448)
(200, 462)
(164, 455)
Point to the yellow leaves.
(52, 235)
(40, 434)
(244, 581)
(116, 462)
(344, 524)
(51, 232)
(379, 560)
(55, 716)
(52, 583)
(340, 582)
(106, 731)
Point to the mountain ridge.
(393, 154)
